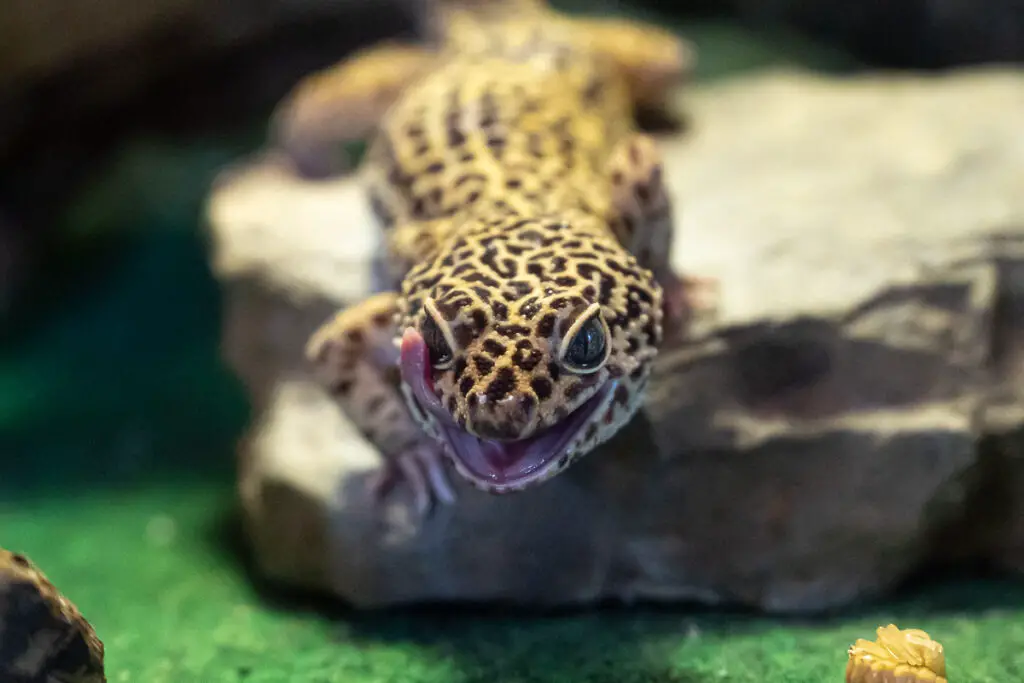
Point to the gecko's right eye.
(437, 345)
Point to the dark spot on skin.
(622, 395)
(495, 348)
(636, 374)
(589, 293)
(640, 294)
(634, 309)
(500, 310)
(650, 330)
(483, 364)
(449, 309)
(535, 269)
(341, 388)
(464, 334)
(452, 404)
(482, 279)
(527, 402)
(529, 308)
(542, 387)
(512, 331)
(555, 371)
(435, 167)
(460, 367)
(418, 207)
(513, 183)
(528, 359)
(635, 154)
(507, 268)
(382, 319)
(456, 138)
(565, 281)
(607, 287)
(575, 389)
(502, 385)
(466, 384)
(521, 288)
(479, 320)
(615, 370)
(643, 193)
(546, 325)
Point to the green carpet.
(117, 424)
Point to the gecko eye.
(586, 349)
(437, 345)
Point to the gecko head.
(521, 369)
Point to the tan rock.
(810, 446)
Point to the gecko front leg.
(355, 357)
(344, 103)
(644, 223)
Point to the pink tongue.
(414, 365)
(502, 456)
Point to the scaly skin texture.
(527, 232)
(43, 637)
(898, 656)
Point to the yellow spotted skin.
(43, 636)
(517, 201)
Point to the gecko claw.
(422, 468)
(684, 297)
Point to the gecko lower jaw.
(499, 466)
(507, 466)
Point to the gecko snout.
(508, 419)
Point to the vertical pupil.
(588, 344)
(435, 341)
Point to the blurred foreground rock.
(814, 444)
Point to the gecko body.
(526, 232)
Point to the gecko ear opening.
(437, 338)
(585, 347)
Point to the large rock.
(814, 443)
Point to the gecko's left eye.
(586, 346)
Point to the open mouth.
(496, 465)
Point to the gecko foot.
(684, 296)
(423, 469)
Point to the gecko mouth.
(497, 466)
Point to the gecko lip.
(498, 466)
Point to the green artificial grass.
(154, 570)
(117, 428)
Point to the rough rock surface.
(815, 442)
